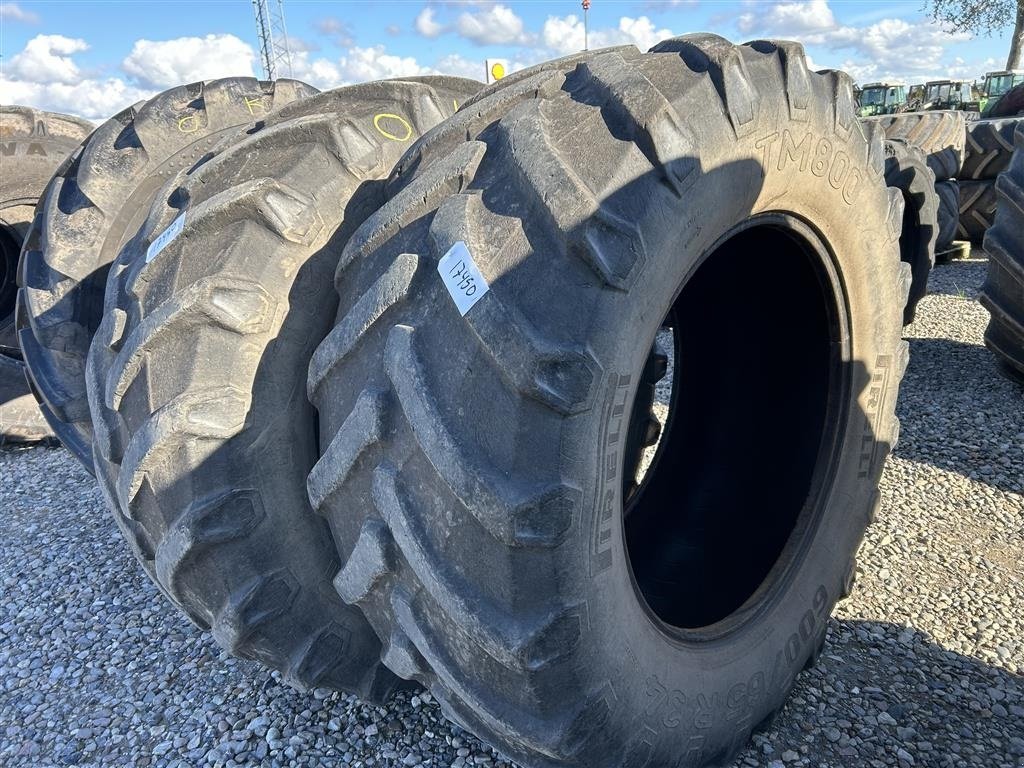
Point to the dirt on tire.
(92, 207)
(495, 316)
(204, 436)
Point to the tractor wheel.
(93, 206)
(1003, 291)
(977, 209)
(942, 134)
(495, 324)
(907, 170)
(34, 144)
(204, 435)
(948, 213)
(989, 148)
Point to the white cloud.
(14, 12)
(493, 25)
(167, 63)
(92, 99)
(426, 24)
(45, 76)
(890, 48)
(564, 34)
(321, 72)
(47, 59)
(374, 63)
(460, 66)
(789, 20)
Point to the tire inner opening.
(753, 364)
(10, 247)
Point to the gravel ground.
(923, 665)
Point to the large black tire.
(204, 436)
(472, 465)
(33, 144)
(96, 202)
(906, 169)
(989, 147)
(977, 209)
(940, 133)
(1003, 291)
(949, 212)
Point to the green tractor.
(997, 84)
(952, 94)
(883, 99)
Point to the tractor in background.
(952, 94)
(997, 85)
(883, 99)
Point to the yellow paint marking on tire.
(387, 134)
(188, 124)
(250, 103)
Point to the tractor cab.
(998, 83)
(883, 99)
(951, 94)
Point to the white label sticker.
(461, 277)
(165, 238)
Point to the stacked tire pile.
(941, 135)
(966, 156)
(1003, 291)
(988, 151)
(367, 378)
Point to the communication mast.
(274, 53)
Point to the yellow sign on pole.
(496, 69)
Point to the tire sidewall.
(710, 694)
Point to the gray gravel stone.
(96, 668)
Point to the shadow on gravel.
(881, 688)
(959, 413)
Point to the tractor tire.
(204, 436)
(977, 209)
(93, 206)
(942, 134)
(21, 421)
(471, 454)
(948, 213)
(33, 145)
(906, 169)
(1003, 292)
(989, 148)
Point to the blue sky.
(93, 58)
